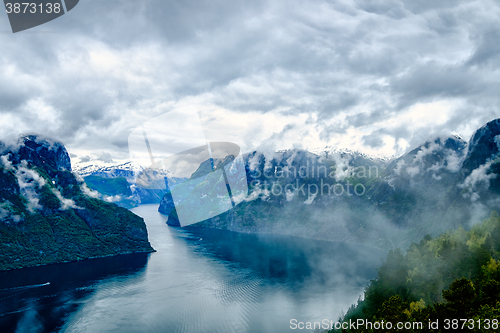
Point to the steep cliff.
(48, 215)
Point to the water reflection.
(38, 299)
(292, 259)
(199, 280)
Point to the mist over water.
(200, 280)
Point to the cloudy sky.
(376, 76)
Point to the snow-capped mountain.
(128, 170)
(313, 193)
(117, 183)
(329, 151)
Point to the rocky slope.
(48, 215)
(414, 188)
(477, 190)
(300, 193)
(444, 183)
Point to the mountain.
(48, 215)
(331, 151)
(116, 190)
(126, 170)
(483, 147)
(412, 192)
(117, 184)
(477, 190)
(346, 196)
(296, 192)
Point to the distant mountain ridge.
(126, 170)
(271, 208)
(329, 150)
(444, 183)
(117, 183)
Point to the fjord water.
(199, 280)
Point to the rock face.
(483, 146)
(412, 193)
(47, 215)
(45, 154)
(444, 183)
(292, 192)
(167, 207)
(478, 185)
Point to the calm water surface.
(200, 280)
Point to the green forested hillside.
(109, 186)
(116, 190)
(47, 215)
(453, 276)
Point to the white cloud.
(4, 213)
(279, 74)
(413, 170)
(399, 166)
(88, 192)
(114, 198)
(4, 159)
(65, 203)
(478, 179)
(29, 181)
(342, 167)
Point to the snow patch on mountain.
(328, 151)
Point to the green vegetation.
(453, 276)
(118, 188)
(46, 218)
(109, 186)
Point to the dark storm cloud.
(354, 65)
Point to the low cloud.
(479, 178)
(88, 192)
(29, 182)
(65, 203)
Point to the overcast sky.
(376, 76)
